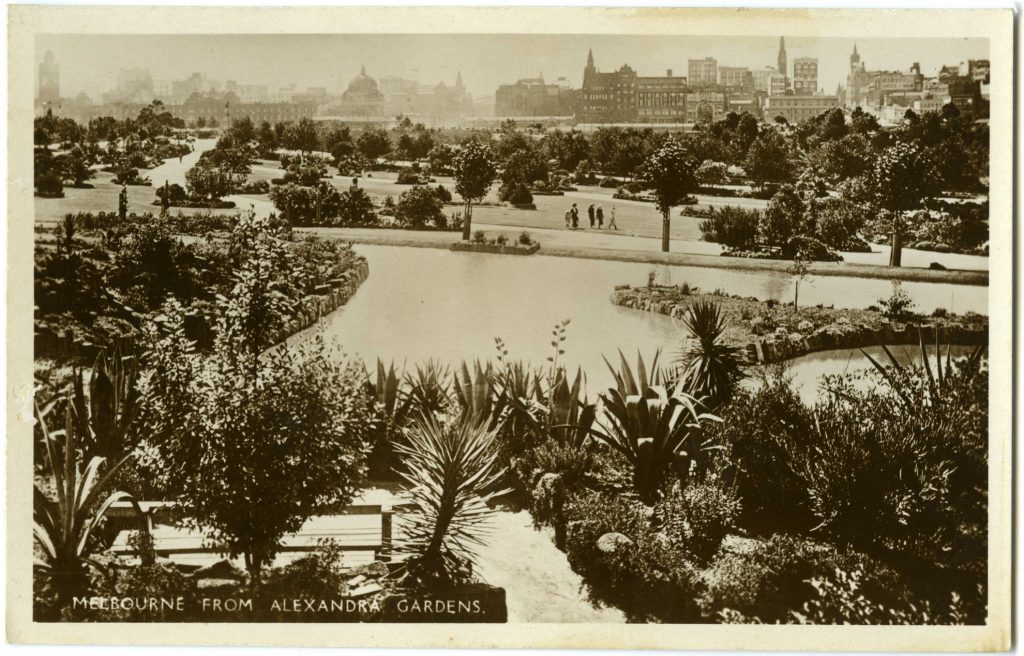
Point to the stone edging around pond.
(846, 329)
(502, 249)
(327, 298)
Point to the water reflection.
(421, 303)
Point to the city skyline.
(91, 63)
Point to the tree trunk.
(796, 296)
(467, 218)
(896, 254)
(665, 225)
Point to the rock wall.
(326, 299)
(782, 345)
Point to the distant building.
(362, 97)
(608, 97)
(735, 78)
(661, 99)
(253, 93)
(433, 105)
(534, 97)
(702, 72)
(762, 79)
(134, 85)
(703, 106)
(781, 65)
(798, 108)
(865, 88)
(805, 76)
(48, 90)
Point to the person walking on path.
(590, 213)
(575, 216)
(600, 217)
(568, 219)
(611, 220)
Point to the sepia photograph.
(668, 319)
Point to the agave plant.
(571, 418)
(108, 413)
(708, 369)
(453, 472)
(475, 393)
(386, 391)
(64, 528)
(427, 389)
(656, 428)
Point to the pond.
(422, 303)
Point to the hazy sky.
(90, 63)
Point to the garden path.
(539, 584)
(172, 171)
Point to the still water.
(422, 303)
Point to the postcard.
(510, 327)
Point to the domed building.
(362, 97)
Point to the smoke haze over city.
(91, 63)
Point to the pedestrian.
(179, 159)
(611, 220)
(600, 217)
(590, 213)
(575, 216)
(568, 219)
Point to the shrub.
(647, 577)
(356, 208)
(698, 517)
(175, 194)
(479, 237)
(443, 194)
(501, 240)
(253, 187)
(762, 434)
(898, 305)
(733, 227)
(525, 239)
(768, 580)
(515, 193)
(417, 207)
(161, 580)
(49, 185)
(608, 183)
(409, 177)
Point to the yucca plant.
(656, 428)
(427, 389)
(108, 414)
(707, 369)
(64, 528)
(898, 377)
(453, 473)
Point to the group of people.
(572, 218)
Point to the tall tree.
(903, 175)
(670, 172)
(474, 173)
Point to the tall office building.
(805, 76)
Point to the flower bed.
(768, 331)
(491, 247)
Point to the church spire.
(782, 56)
(590, 58)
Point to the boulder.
(222, 569)
(610, 543)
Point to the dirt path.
(539, 584)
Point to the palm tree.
(453, 472)
(708, 369)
